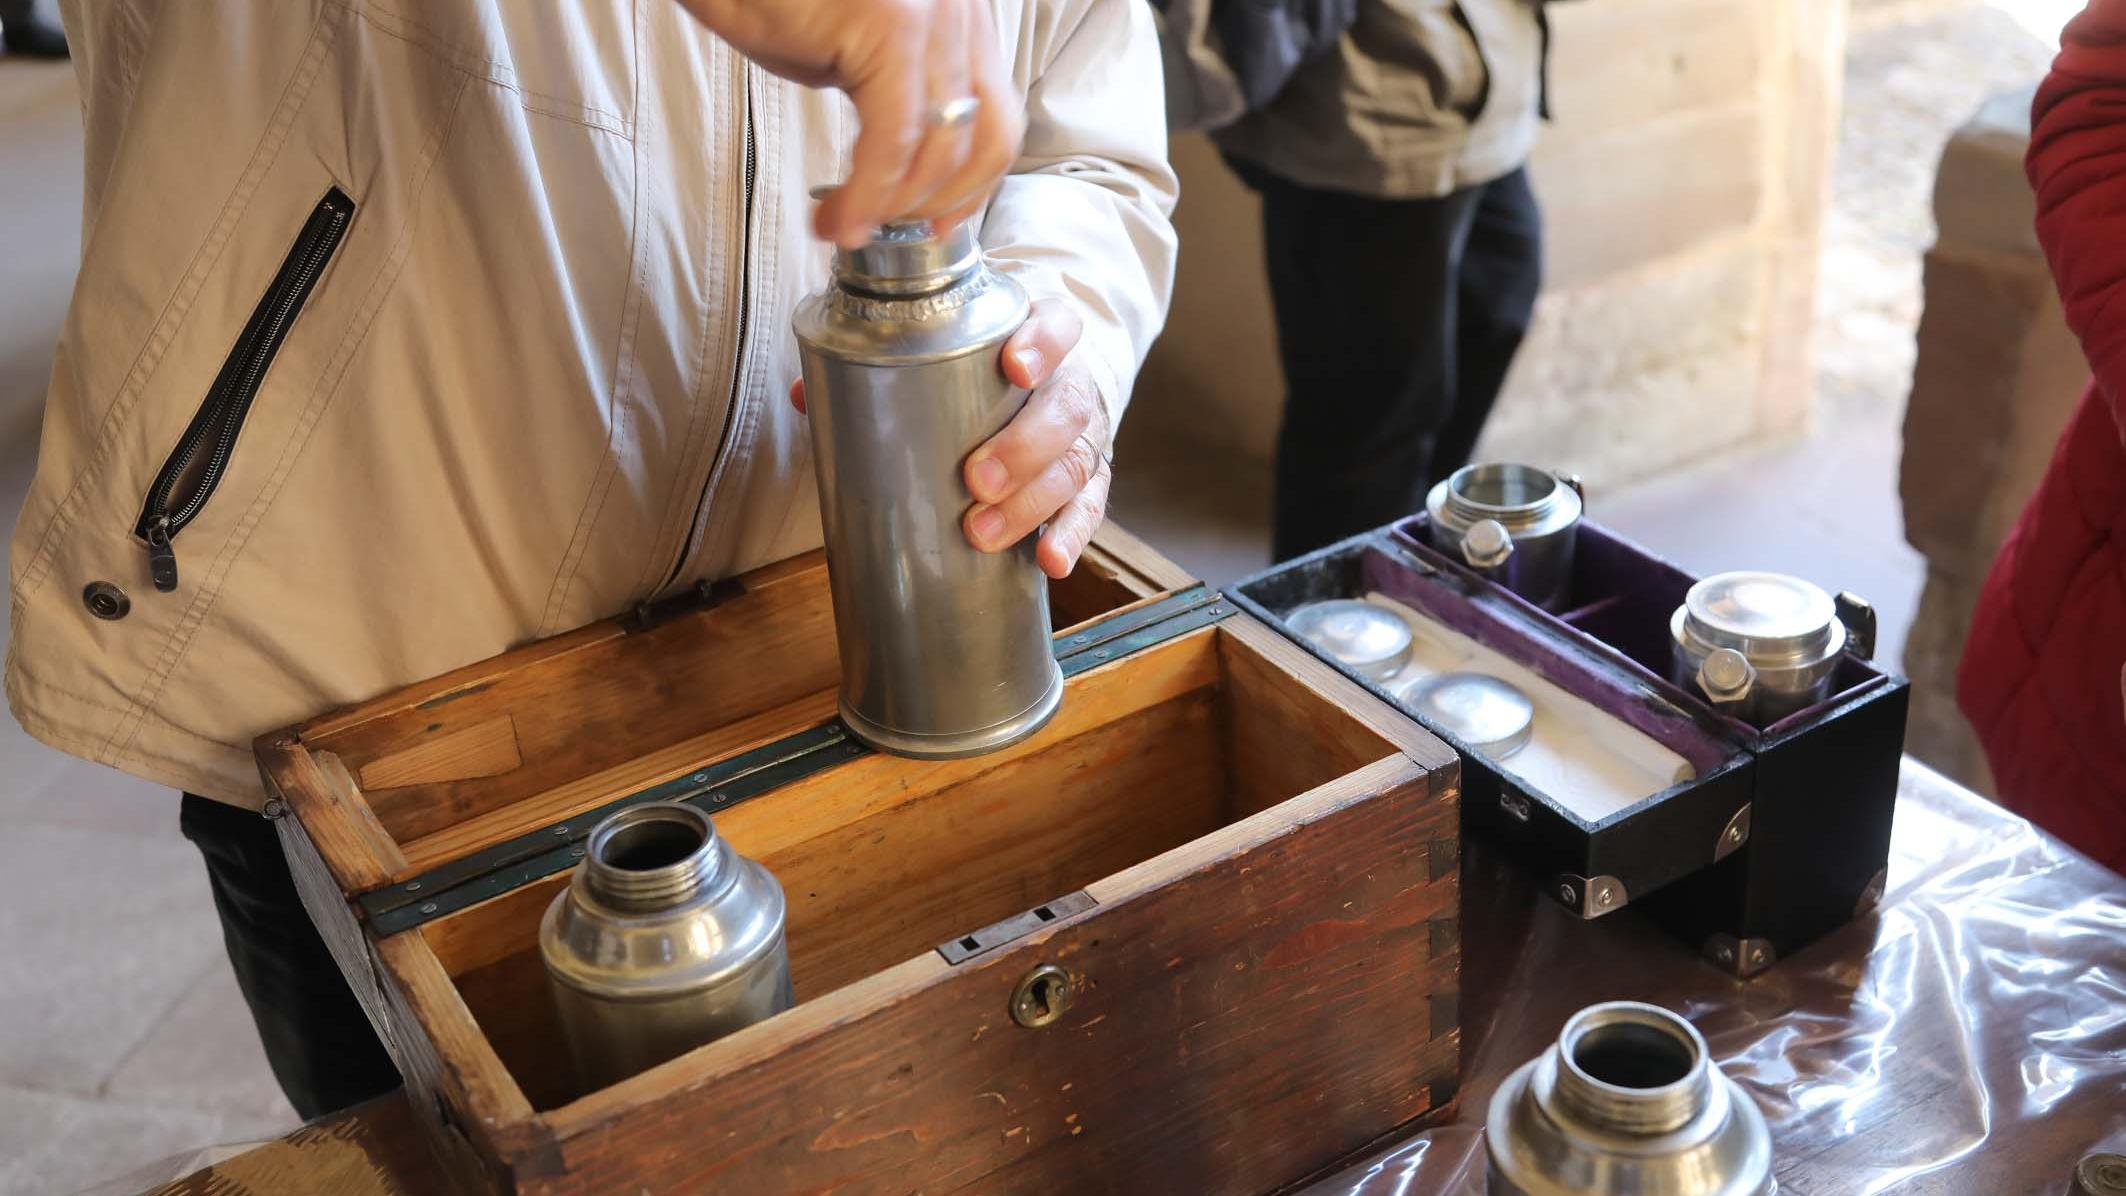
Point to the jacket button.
(106, 601)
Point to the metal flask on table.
(665, 939)
(945, 650)
(1626, 1103)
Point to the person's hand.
(904, 63)
(1047, 465)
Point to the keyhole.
(1041, 996)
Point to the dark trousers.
(319, 1042)
(1396, 320)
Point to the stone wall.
(1684, 183)
(1997, 376)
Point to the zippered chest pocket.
(194, 468)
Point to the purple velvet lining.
(1618, 696)
(1621, 597)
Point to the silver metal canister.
(945, 649)
(1627, 1103)
(1515, 524)
(665, 939)
(1763, 646)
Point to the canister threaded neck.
(907, 258)
(1630, 1068)
(1516, 496)
(652, 857)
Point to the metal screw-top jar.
(665, 939)
(1515, 524)
(945, 649)
(1758, 645)
(1627, 1102)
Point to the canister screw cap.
(1726, 675)
(1487, 544)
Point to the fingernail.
(1030, 361)
(988, 525)
(990, 478)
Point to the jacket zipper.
(202, 453)
(695, 526)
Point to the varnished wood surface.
(374, 1149)
(566, 724)
(609, 705)
(1274, 905)
(1252, 1005)
(882, 859)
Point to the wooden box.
(1243, 865)
(1776, 837)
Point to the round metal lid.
(2100, 1175)
(1489, 714)
(1772, 619)
(1371, 639)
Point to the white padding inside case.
(1580, 756)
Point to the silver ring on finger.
(953, 114)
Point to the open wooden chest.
(1230, 871)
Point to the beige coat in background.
(1418, 99)
(542, 378)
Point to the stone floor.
(122, 1037)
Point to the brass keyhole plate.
(1041, 996)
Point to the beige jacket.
(536, 377)
(1419, 98)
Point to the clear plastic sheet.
(1967, 1038)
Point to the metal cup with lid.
(1515, 524)
(1762, 646)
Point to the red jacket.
(2043, 671)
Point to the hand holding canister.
(945, 648)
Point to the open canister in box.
(1091, 953)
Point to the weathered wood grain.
(1253, 1004)
(822, 804)
(602, 706)
(1294, 665)
(357, 852)
(567, 800)
(472, 1166)
(1266, 982)
(484, 749)
(374, 1149)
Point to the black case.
(1782, 835)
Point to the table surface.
(1969, 1037)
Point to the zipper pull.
(162, 559)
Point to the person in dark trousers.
(1388, 140)
(25, 30)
